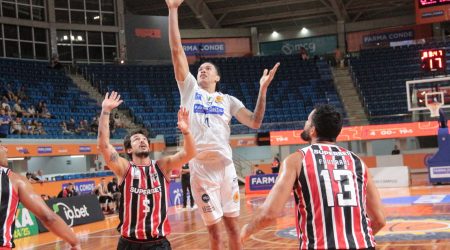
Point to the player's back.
(330, 193)
(9, 200)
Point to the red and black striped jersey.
(9, 200)
(330, 194)
(144, 203)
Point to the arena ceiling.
(268, 15)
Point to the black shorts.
(104, 199)
(128, 244)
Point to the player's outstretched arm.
(179, 60)
(37, 206)
(176, 161)
(254, 119)
(116, 163)
(277, 198)
(374, 205)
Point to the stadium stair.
(349, 96)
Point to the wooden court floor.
(418, 218)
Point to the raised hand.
(174, 3)
(267, 76)
(111, 101)
(183, 120)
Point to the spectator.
(40, 175)
(30, 128)
(19, 109)
(68, 191)
(117, 121)
(5, 121)
(338, 57)
(9, 93)
(32, 111)
(104, 197)
(64, 129)
(17, 126)
(275, 165)
(39, 108)
(54, 63)
(304, 54)
(113, 188)
(186, 184)
(395, 151)
(40, 129)
(45, 113)
(71, 125)
(83, 127)
(21, 94)
(94, 125)
(31, 178)
(5, 103)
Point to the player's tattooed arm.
(114, 157)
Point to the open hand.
(173, 3)
(183, 120)
(111, 101)
(267, 76)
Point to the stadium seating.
(380, 75)
(151, 93)
(63, 98)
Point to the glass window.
(64, 53)
(11, 49)
(95, 53)
(26, 50)
(94, 37)
(24, 11)
(1, 48)
(93, 18)
(62, 16)
(41, 2)
(61, 4)
(25, 33)
(9, 9)
(78, 37)
(92, 5)
(107, 5)
(108, 19)
(41, 51)
(109, 38)
(79, 53)
(39, 14)
(10, 31)
(24, 1)
(40, 35)
(63, 36)
(110, 53)
(77, 17)
(77, 4)
(1, 32)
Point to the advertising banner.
(358, 133)
(176, 194)
(84, 187)
(76, 210)
(204, 49)
(26, 223)
(262, 183)
(400, 35)
(314, 45)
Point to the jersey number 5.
(346, 196)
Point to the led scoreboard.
(433, 60)
(431, 3)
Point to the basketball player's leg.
(205, 186)
(230, 200)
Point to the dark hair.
(217, 70)
(327, 121)
(127, 140)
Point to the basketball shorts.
(127, 244)
(215, 189)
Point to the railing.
(243, 166)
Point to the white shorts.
(215, 189)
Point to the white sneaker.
(194, 207)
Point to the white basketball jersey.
(210, 116)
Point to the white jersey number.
(347, 193)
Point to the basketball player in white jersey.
(213, 176)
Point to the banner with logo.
(394, 36)
(314, 45)
(204, 49)
(84, 187)
(259, 184)
(76, 210)
(26, 223)
(176, 194)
